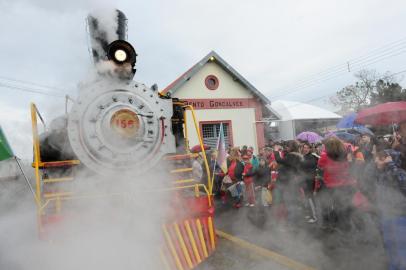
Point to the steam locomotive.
(118, 126)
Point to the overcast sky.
(273, 44)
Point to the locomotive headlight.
(121, 52)
(120, 55)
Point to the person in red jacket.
(248, 176)
(336, 168)
(339, 185)
(235, 172)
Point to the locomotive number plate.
(125, 122)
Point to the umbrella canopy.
(329, 134)
(198, 149)
(348, 121)
(309, 136)
(383, 114)
(360, 130)
(346, 136)
(342, 135)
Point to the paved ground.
(302, 242)
(231, 256)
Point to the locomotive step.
(57, 180)
(50, 195)
(185, 181)
(181, 170)
(52, 164)
(181, 156)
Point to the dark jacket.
(366, 150)
(309, 166)
(289, 167)
(385, 188)
(263, 176)
(401, 148)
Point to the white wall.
(286, 130)
(242, 122)
(196, 88)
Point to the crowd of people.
(324, 183)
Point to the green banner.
(5, 149)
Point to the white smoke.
(116, 227)
(107, 20)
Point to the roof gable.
(213, 56)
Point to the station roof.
(214, 57)
(293, 110)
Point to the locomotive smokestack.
(112, 54)
(103, 30)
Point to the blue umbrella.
(342, 135)
(360, 130)
(348, 121)
(346, 136)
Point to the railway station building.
(219, 94)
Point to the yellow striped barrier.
(276, 257)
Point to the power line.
(341, 72)
(34, 84)
(357, 59)
(382, 53)
(30, 90)
(328, 95)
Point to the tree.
(371, 88)
(387, 91)
(356, 96)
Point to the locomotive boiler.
(120, 128)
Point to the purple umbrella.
(329, 134)
(309, 136)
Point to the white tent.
(296, 117)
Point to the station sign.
(230, 103)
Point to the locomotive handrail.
(206, 164)
(92, 196)
(186, 131)
(37, 156)
(37, 160)
(67, 98)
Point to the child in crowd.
(248, 176)
(263, 179)
(254, 159)
(235, 173)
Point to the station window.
(211, 132)
(211, 82)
